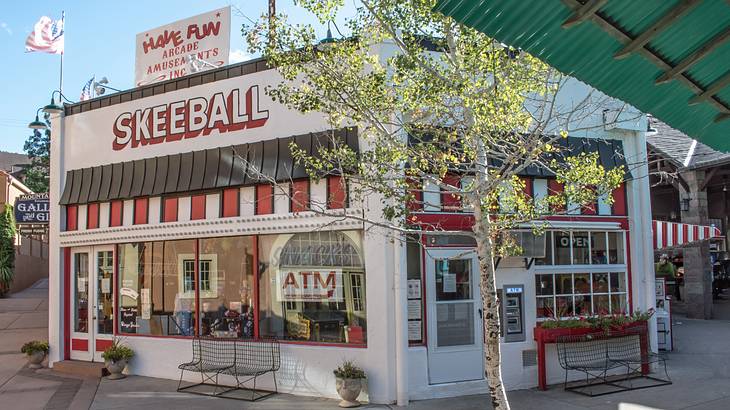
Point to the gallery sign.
(309, 285)
(194, 44)
(32, 209)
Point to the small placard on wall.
(414, 309)
(414, 288)
(414, 330)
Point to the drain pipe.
(401, 323)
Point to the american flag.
(86, 91)
(47, 36)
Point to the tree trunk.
(490, 316)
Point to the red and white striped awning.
(669, 234)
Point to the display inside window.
(104, 295)
(156, 288)
(312, 287)
(226, 273)
(580, 294)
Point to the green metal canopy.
(670, 58)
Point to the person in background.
(666, 269)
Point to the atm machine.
(513, 313)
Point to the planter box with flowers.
(549, 330)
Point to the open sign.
(579, 241)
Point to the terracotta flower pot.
(349, 389)
(116, 369)
(35, 359)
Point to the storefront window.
(598, 248)
(580, 294)
(81, 309)
(312, 287)
(226, 287)
(580, 243)
(616, 248)
(583, 248)
(562, 248)
(157, 291)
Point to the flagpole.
(60, 80)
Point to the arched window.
(321, 249)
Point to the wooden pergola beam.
(658, 26)
(583, 13)
(663, 65)
(713, 89)
(697, 55)
(722, 117)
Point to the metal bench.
(245, 360)
(597, 354)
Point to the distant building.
(14, 164)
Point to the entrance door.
(454, 312)
(92, 294)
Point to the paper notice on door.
(146, 311)
(414, 309)
(414, 289)
(449, 283)
(414, 330)
(106, 285)
(81, 285)
(145, 294)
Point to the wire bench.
(244, 360)
(599, 354)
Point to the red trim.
(528, 189)
(169, 209)
(630, 289)
(115, 282)
(80, 345)
(451, 202)
(92, 216)
(619, 206)
(141, 211)
(296, 342)
(256, 286)
(196, 311)
(336, 192)
(197, 207)
(264, 199)
(72, 217)
(66, 303)
(116, 213)
(156, 336)
(102, 344)
(299, 195)
(416, 192)
(555, 188)
(230, 202)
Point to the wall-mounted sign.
(194, 44)
(190, 118)
(32, 209)
(309, 285)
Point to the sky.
(100, 41)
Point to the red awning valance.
(672, 234)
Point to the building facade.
(178, 210)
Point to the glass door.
(455, 326)
(92, 296)
(81, 317)
(103, 318)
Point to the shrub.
(117, 351)
(349, 370)
(34, 346)
(7, 248)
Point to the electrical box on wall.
(513, 312)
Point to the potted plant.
(116, 358)
(36, 352)
(349, 383)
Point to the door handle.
(480, 314)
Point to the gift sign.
(309, 285)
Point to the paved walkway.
(699, 366)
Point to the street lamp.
(37, 124)
(54, 108)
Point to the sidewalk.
(699, 367)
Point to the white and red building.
(159, 234)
